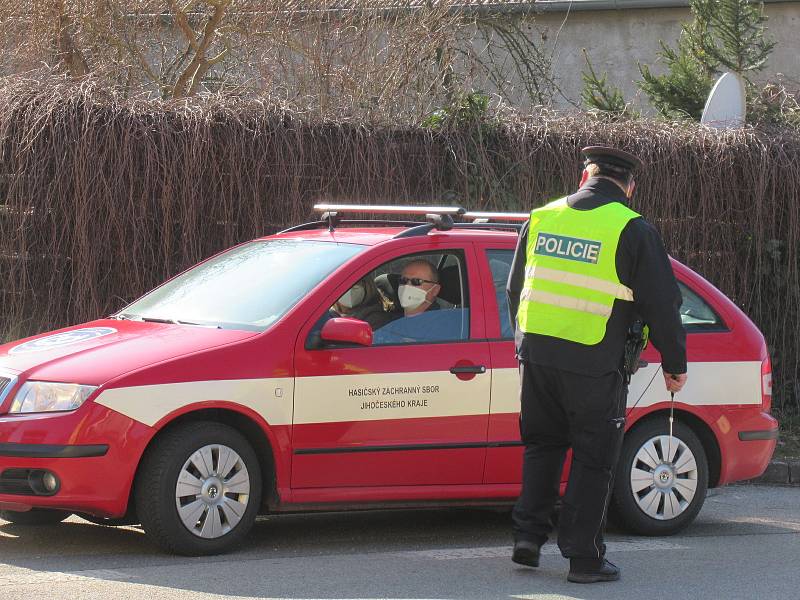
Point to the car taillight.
(766, 385)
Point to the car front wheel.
(661, 482)
(198, 489)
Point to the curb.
(781, 472)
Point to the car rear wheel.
(661, 483)
(35, 516)
(198, 489)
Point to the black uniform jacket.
(643, 266)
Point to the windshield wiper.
(211, 325)
(158, 320)
(179, 322)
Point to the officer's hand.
(675, 383)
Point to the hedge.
(102, 197)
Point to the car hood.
(96, 352)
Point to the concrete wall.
(617, 39)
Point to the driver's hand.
(674, 383)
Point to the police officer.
(583, 267)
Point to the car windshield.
(249, 287)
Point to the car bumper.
(93, 453)
(747, 443)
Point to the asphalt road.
(745, 544)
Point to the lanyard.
(671, 414)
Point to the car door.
(706, 335)
(395, 414)
(504, 453)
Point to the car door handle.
(477, 369)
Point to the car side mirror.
(344, 330)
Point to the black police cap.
(611, 156)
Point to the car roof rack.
(390, 209)
(437, 217)
(351, 222)
(486, 217)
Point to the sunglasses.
(415, 281)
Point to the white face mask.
(353, 297)
(411, 296)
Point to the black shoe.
(526, 553)
(606, 572)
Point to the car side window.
(418, 298)
(696, 314)
(429, 298)
(500, 265)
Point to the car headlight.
(45, 396)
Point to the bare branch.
(183, 24)
(403, 62)
(67, 53)
(190, 78)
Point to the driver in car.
(419, 288)
(418, 292)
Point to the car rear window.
(696, 314)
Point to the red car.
(284, 374)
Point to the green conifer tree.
(725, 35)
(732, 36)
(599, 95)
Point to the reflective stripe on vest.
(571, 280)
(618, 290)
(566, 302)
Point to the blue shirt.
(444, 325)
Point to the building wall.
(617, 40)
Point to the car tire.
(35, 516)
(652, 495)
(198, 489)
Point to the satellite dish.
(726, 105)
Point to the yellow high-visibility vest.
(571, 279)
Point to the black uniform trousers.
(559, 410)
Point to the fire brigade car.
(284, 375)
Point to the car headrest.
(500, 271)
(450, 280)
(388, 284)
